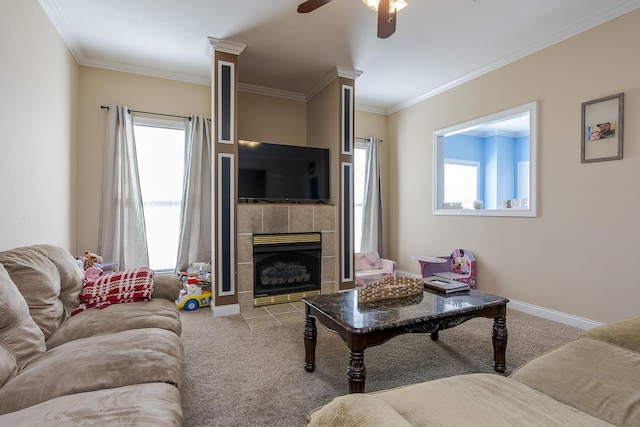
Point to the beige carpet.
(237, 375)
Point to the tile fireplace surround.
(259, 218)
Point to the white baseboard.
(545, 313)
(225, 310)
(558, 316)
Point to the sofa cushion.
(356, 410)
(367, 261)
(593, 376)
(623, 333)
(156, 313)
(480, 400)
(153, 404)
(38, 280)
(20, 337)
(123, 358)
(132, 285)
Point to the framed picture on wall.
(602, 129)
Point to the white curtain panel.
(195, 214)
(122, 236)
(372, 238)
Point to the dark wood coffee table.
(362, 325)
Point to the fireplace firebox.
(286, 267)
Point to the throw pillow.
(122, 286)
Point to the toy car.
(192, 297)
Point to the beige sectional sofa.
(121, 365)
(592, 381)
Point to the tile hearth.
(273, 315)
(259, 219)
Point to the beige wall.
(578, 256)
(38, 87)
(103, 87)
(269, 119)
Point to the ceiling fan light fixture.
(394, 5)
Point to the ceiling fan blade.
(386, 20)
(311, 5)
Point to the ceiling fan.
(387, 11)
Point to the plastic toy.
(459, 266)
(192, 297)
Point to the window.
(160, 146)
(505, 146)
(461, 182)
(359, 174)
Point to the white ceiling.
(437, 45)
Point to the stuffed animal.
(90, 259)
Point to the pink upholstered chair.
(369, 267)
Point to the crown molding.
(368, 109)
(347, 73)
(277, 93)
(149, 72)
(53, 13)
(334, 73)
(226, 46)
(557, 37)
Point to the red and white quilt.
(122, 286)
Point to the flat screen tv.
(282, 173)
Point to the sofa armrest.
(355, 410)
(389, 266)
(367, 261)
(591, 376)
(623, 333)
(166, 286)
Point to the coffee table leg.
(435, 335)
(499, 336)
(356, 371)
(310, 338)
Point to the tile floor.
(272, 315)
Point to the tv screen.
(274, 172)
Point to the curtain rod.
(361, 139)
(106, 107)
